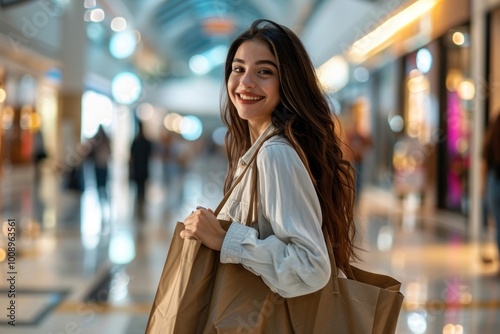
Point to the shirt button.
(243, 163)
(229, 260)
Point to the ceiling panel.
(181, 29)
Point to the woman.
(305, 187)
(491, 172)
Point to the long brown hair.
(304, 117)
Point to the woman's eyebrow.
(259, 62)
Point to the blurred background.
(110, 132)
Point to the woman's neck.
(257, 130)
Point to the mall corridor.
(82, 269)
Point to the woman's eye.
(264, 71)
(237, 69)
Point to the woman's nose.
(247, 80)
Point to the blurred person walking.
(39, 153)
(140, 153)
(491, 173)
(100, 154)
(359, 142)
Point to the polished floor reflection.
(86, 264)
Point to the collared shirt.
(286, 246)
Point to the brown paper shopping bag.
(198, 294)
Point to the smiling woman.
(302, 189)
(272, 89)
(288, 200)
(274, 109)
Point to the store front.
(492, 80)
(420, 93)
(18, 117)
(3, 97)
(455, 121)
(415, 150)
(28, 112)
(386, 122)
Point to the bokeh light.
(191, 128)
(123, 44)
(126, 88)
(118, 24)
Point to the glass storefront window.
(414, 156)
(456, 121)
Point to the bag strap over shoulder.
(240, 177)
(333, 264)
(252, 208)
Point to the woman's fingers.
(188, 234)
(192, 225)
(203, 225)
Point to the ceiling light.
(118, 24)
(126, 88)
(218, 26)
(361, 49)
(217, 55)
(203, 63)
(122, 44)
(334, 74)
(424, 60)
(97, 15)
(458, 38)
(199, 64)
(89, 4)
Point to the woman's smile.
(248, 98)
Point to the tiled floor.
(86, 267)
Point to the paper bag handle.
(240, 177)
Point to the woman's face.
(253, 84)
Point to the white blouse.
(286, 247)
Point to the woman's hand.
(204, 226)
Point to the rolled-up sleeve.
(294, 261)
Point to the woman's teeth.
(250, 98)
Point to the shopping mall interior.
(416, 81)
